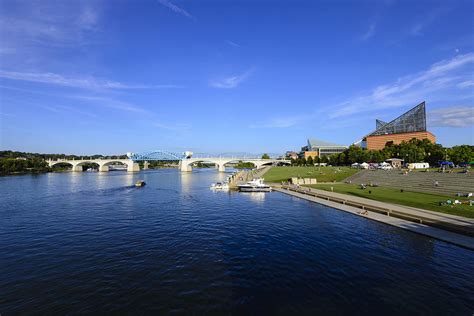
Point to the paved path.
(431, 219)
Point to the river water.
(93, 243)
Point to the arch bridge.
(185, 159)
(103, 163)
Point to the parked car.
(385, 166)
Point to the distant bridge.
(220, 162)
(185, 159)
(103, 163)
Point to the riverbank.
(440, 226)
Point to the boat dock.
(244, 176)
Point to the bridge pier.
(103, 168)
(146, 165)
(133, 167)
(185, 167)
(77, 168)
(221, 168)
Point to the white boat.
(256, 185)
(220, 186)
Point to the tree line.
(13, 165)
(415, 150)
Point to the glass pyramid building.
(412, 121)
(411, 124)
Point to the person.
(436, 184)
(366, 213)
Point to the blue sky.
(229, 76)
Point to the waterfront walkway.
(450, 228)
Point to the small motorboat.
(220, 186)
(140, 183)
(256, 185)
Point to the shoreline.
(416, 227)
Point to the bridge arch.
(54, 163)
(105, 166)
(79, 166)
(186, 164)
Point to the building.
(291, 154)
(395, 162)
(407, 126)
(318, 148)
(307, 154)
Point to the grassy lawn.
(414, 199)
(322, 174)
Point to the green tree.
(309, 161)
(342, 159)
(303, 161)
(265, 156)
(461, 154)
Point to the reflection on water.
(257, 197)
(94, 243)
(185, 181)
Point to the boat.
(140, 183)
(256, 185)
(220, 186)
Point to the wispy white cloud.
(466, 84)
(232, 81)
(173, 7)
(422, 23)
(441, 77)
(43, 23)
(94, 100)
(455, 116)
(370, 32)
(62, 109)
(85, 83)
(231, 43)
(112, 103)
(88, 18)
